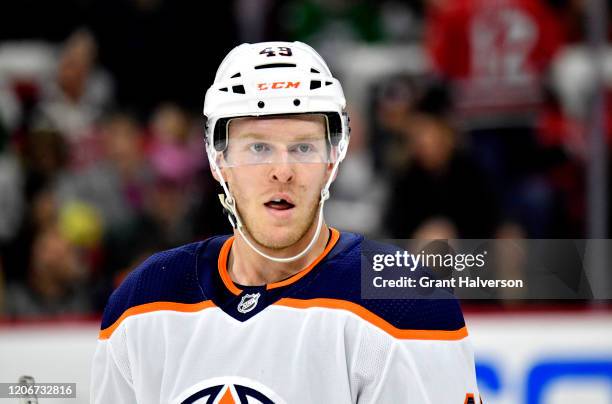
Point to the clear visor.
(281, 142)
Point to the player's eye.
(303, 148)
(259, 148)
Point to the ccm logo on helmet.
(278, 85)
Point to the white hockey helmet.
(274, 78)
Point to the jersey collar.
(229, 284)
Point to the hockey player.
(274, 314)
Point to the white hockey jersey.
(178, 330)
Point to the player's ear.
(214, 174)
(330, 168)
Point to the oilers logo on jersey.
(229, 390)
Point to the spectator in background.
(40, 215)
(394, 98)
(147, 188)
(496, 57)
(56, 280)
(118, 184)
(171, 212)
(182, 179)
(440, 184)
(115, 190)
(359, 191)
(43, 159)
(175, 150)
(77, 97)
(80, 92)
(436, 228)
(495, 53)
(176, 156)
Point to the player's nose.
(282, 172)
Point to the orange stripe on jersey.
(222, 265)
(227, 281)
(155, 306)
(372, 318)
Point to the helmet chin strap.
(229, 203)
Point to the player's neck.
(246, 267)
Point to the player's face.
(277, 200)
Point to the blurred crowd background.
(470, 119)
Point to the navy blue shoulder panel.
(170, 276)
(339, 277)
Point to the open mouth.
(279, 204)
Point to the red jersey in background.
(495, 52)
